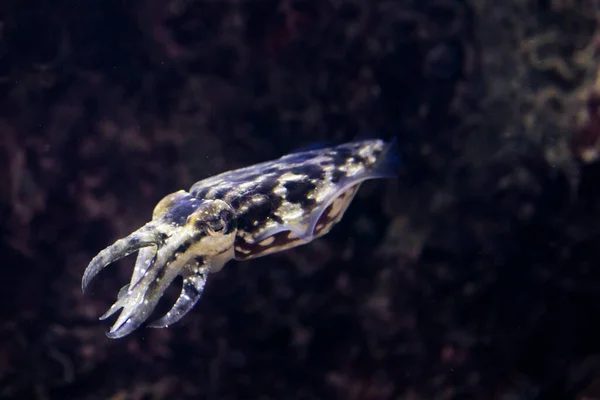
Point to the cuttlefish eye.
(217, 219)
(216, 227)
(222, 223)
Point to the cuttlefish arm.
(187, 237)
(140, 239)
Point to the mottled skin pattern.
(278, 203)
(240, 214)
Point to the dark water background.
(474, 275)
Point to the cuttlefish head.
(187, 237)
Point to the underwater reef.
(473, 275)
